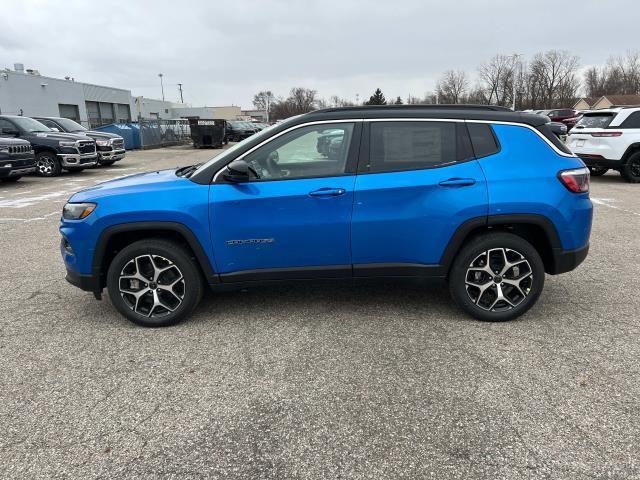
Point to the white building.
(26, 92)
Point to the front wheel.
(48, 165)
(631, 171)
(598, 171)
(497, 277)
(11, 179)
(106, 163)
(75, 169)
(154, 283)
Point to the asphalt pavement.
(316, 381)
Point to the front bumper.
(567, 260)
(88, 283)
(111, 155)
(16, 168)
(78, 159)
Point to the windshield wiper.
(187, 171)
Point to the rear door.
(418, 181)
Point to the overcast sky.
(225, 51)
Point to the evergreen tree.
(398, 101)
(377, 98)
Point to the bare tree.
(262, 100)
(555, 71)
(300, 100)
(452, 86)
(496, 78)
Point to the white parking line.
(607, 202)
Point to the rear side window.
(595, 120)
(632, 121)
(397, 146)
(483, 139)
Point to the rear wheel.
(497, 277)
(598, 171)
(631, 171)
(154, 283)
(47, 164)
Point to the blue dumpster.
(129, 131)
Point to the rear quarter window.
(483, 140)
(632, 121)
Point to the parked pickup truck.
(16, 159)
(54, 150)
(110, 146)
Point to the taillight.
(576, 181)
(606, 134)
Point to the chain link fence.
(155, 133)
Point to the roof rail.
(434, 106)
(624, 106)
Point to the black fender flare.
(464, 230)
(176, 227)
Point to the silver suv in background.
(609, 139)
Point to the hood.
(101, 135)
(139, 183)
(12, 141)
(70, 137)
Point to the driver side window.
(312, 151)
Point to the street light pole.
(161, 86)
(180, 88)
(515, 59)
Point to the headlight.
(77, 211)
(102, 143)
(67, 144)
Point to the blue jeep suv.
(484, 198)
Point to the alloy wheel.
(151, 285)
(45, 165)
(499, 279)
(634, 167)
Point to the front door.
(293, 219)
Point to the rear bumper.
(567, 260)
(598, 161)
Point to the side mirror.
(274, 156)
(10, 131)
(238, 171)
(55, 129)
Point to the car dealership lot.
(316, 381)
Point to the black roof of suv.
(468, 112)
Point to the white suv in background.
(609, 139)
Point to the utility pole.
(515, 61)
(161, 86)
(268, 105)
(180, 88)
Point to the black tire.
(11, 179)
(598, 171)
(631, 170)
(48, 164)
(106, 163)
(159, 252)
(473, 254)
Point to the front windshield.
(229, 152)
(30, 125)
(70, 125)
